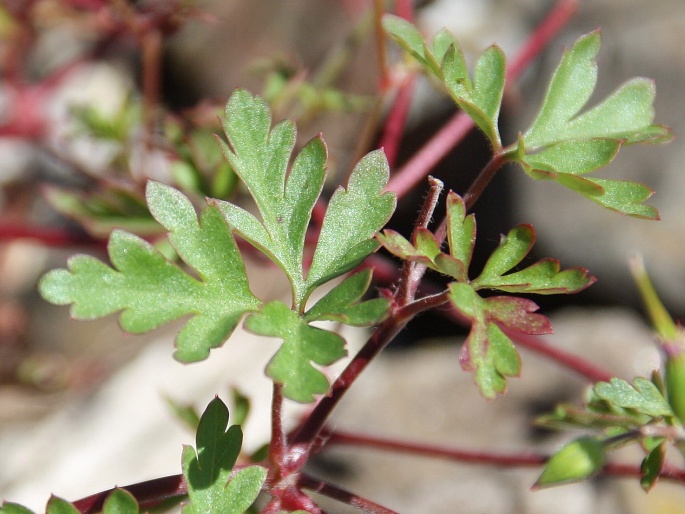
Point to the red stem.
(518, 460)
(343, 496)
(395, 123)
(581, 366)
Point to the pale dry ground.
(99, 417)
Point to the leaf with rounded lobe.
(461, 232)
(651, 466)
(260, 156)
(59, 506)
(578, 460)
(302, 346)
(563, 142)
(575, 156)
(353, 217)
(151, 291)
(120, 501)
(212, 485)
(342, 303)
(643, 396)
(543, 277)
(406, 35)
(518, 314)
(625, 197)
(511, 250)
(488, 351)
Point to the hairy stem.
(343, 496)
(412, 271)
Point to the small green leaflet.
(152, 291)
(651, 465)
(212, 484)
(302, 345)
(260, 156)
(118, 501)
(643, 396)
(578, 460)
(488, 351)
(481, 97)
(14, 508)
(563, 143)
(542, 277)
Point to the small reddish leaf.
(518, 313)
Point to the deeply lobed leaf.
(150, 290)
(212, 485)
(302, 345)
(564, 142)
(260, 156)
(643, 396)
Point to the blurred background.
(97, 96)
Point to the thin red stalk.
(278, 443)
(430, 450)
(518, 460)
(412, 271)
(572, 362)
(395, 123)
(343, 496)
(384, 333)
(381, 46)
(454, 131)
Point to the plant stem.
(577, 364)
(412, 271)
(483, 179)
(384, 333)
(278, 443)
(456, 128)
(346, 497)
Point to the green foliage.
(213, 486)
(479, 97)
(489, 351)
(260, 156)
(643, 396)
(119, 501)
(152, 291)
(303, 344)
(562, 143)
(578, 460)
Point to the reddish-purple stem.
(343, 496)
(394, 125)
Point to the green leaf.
(511, 250)
(406, 35)
(152, 291)
(461, 232)
(260, 156)
(642, 396)
(185, 413)
(651, 466)
(120, 501)
(302, 345)
(563, 142)
(14, 508)
(487, 350)
(342, 303)
(212, 487)
(625, 197)
(59, 506)
(578, 460)
(352, 219)
(482, 98)
(543, 277)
